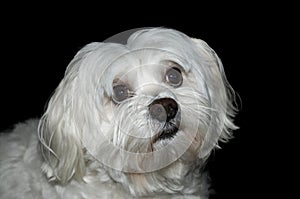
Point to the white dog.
(133, 120)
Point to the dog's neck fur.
(179, 178)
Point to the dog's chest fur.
(21, 174)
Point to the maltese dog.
(127, 121)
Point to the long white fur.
(58, 155)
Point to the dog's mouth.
(169, 130)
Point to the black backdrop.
(37, 45)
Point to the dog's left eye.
(121, 92)
(174, 77)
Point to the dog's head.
(141, 107)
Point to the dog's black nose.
(163, 109)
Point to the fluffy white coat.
(73, 151)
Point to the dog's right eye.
(121, 92)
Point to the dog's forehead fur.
(144, 48)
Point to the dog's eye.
(121, 92)
(174, 77)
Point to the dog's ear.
(222, 96)
(60, 128)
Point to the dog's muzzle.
(166, 111)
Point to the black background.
(38, 43)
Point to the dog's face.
(142, 107)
